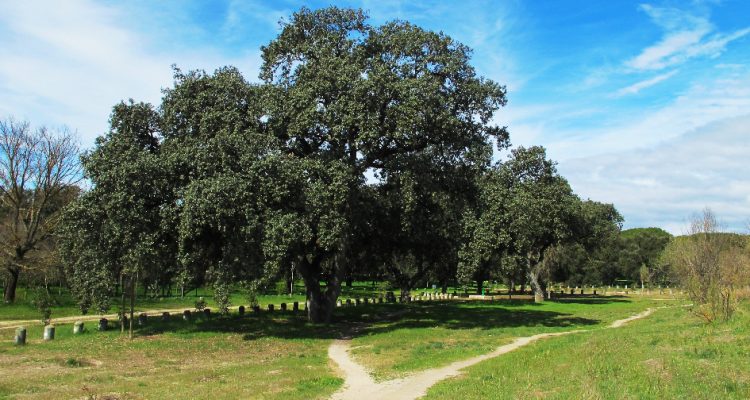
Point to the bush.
(200, 304)
(221, 295)
(43, 301)
(711, 265)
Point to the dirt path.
(359, 384)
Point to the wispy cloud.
(638, 86)
(70, 64)
(686, 36)
(664, 185)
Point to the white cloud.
(70, 63)
(664, 185)
(704, 102)
(638, 86)
(686, 36)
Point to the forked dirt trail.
(359, 384)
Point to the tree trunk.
(320, 304)
(536, 287)
(9, 294)
(133, 289)
(122, 305)
(534, 268)
(405, 292)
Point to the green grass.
(669, 355)
(279, 356)
(436, 333)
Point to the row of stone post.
(103, 325)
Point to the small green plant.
(43, 301)
(221, 295)
(200, 304)
(72, 362)
(250, 290)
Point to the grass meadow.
(670, 354)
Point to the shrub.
(711, 266)
(200, 304)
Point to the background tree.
(38, 171)
(122, 212)
(640, 249)
(542, 210)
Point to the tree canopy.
(363, 148)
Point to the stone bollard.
(594, 292)
(295, 306)
(348, 302)
(20, 338)
(270, 308)
(207, 313)
(103, 324)
(571, 291)
(338, 303)
(241, 310)
(78, 327)
(256, 309)
(283, 307)
(49, 333)
(165, 316)
(142, 318)
(187, 315)
(581, 291)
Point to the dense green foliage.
(228, 182)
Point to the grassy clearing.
(269, 356)
(669, 355)
(435, 334)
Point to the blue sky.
(645, 105)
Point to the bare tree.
(38, 173)
(711, 265)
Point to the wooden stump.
(270, 308)
(283, 306)
(78, 327)
(241, 310)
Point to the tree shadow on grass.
(380, 318)
(592, 299)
